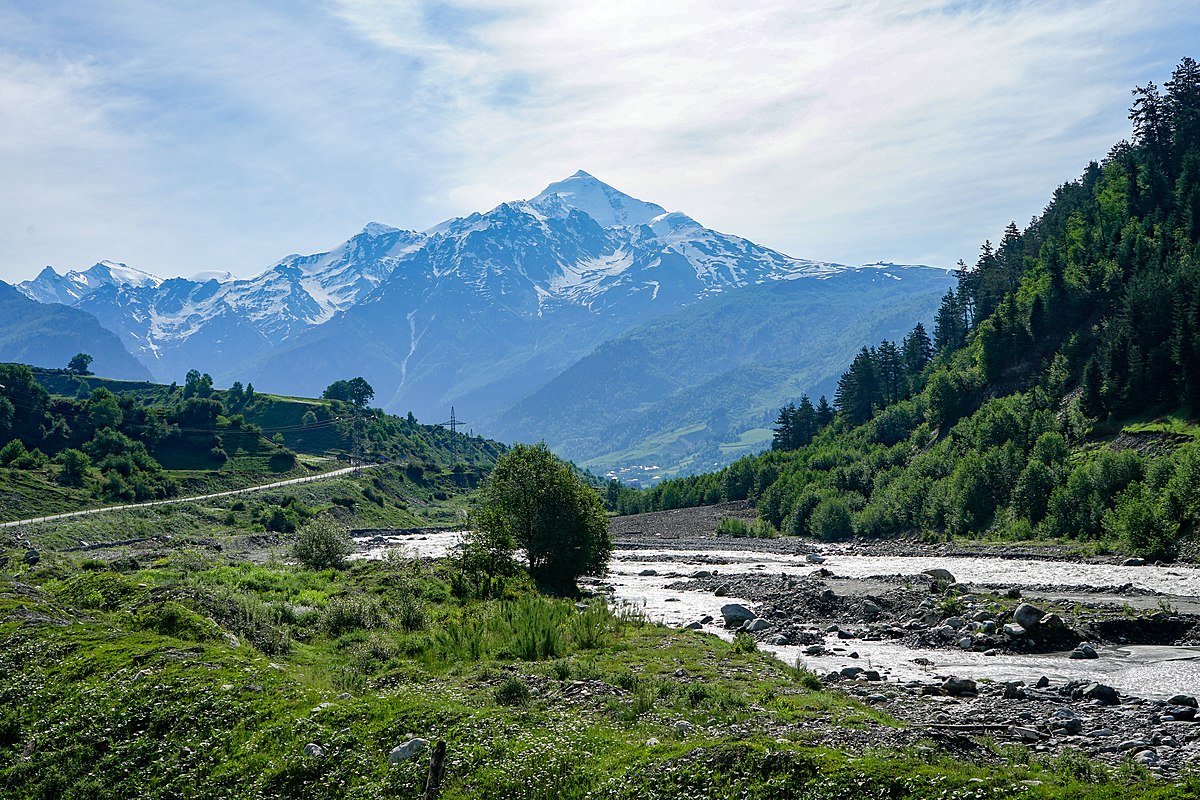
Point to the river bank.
(976, 640)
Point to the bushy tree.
(355, 390)
(79, 364)
(322, 543)
(534, 501)
(74, 463)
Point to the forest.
(1057, 398)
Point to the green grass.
(144, 692)
(380, 497)
(1176, 424)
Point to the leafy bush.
(737, 528)
(512, 692)
(744, 643)
(352, 612)
(170, 618)
(322, 543)
(831, 520)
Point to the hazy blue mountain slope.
(725, 364)
(49, 334)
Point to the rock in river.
(1102, 693)
(1027, 615)
(1084, 650)
(736, 614)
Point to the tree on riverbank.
(533, 501)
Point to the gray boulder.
(1084, 650)
(1026, 735)
(1052, 622)
(1102, 693)
(736, 614)
(1183, 700)
(1182, 713)
(1134, 562)
(1014, 630)
(405, 751)
(756, 625)
(314, 750)
(940, 575)
(958, 687)
(32, 557)
(1027, 615)
(648, 573)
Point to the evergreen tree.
(784, 434)
(824, 412)
(917, 349)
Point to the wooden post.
(437, 771)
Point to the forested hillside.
(1062, 385)
(69, 440)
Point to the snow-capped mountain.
(478, 311)
(492, 305)
(50, 287)
(218, 324)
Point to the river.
(1146, 671)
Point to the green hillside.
(718, 369)
(70, 441)
(1062, 387)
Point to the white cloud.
(814, 126)
(225, 135)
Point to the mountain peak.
(584, 192)
(115, 272)
(374, 229)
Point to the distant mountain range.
(486, 312)
(50, 334)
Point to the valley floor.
(213, 667)
(871, 621)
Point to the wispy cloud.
(227, 135)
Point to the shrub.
(351, 613)
(755, 529)
(170, 618)
(831, 520)
(744, 643)
(512, 692)
(322, 543)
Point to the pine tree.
(784, 431)
(889, 369)
(804, 423)
(824, 412)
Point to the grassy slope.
(130, 685)
(252, 459)
(382, 497)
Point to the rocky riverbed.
(1035, 647)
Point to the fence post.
(437, 771)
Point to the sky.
(191, 136)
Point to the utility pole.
(454, 424)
